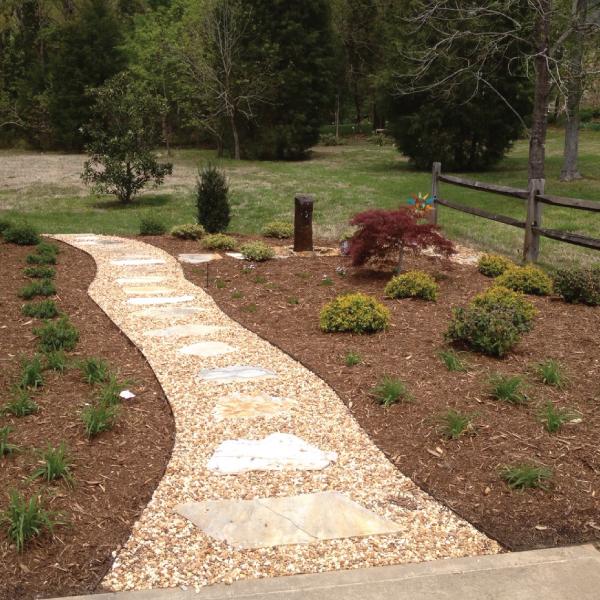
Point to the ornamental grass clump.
(551, 372)
(55, 464)
(94, 370)
(452, 360)
(280, 230)
(355, 313)
(553, 417)
(413, 284)
(508, 389)
(579, 285)
(6, 447)
(99, 417)
(31, 373)
(493, 265)
(219, 241)
(526, 476)
(529, 280)
(21, 404)
(188, 231)
(391, 390)
(454, 424)
(257, 251)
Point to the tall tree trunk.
(236, 138)
(575, 77)
(539, 120)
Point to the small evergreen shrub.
(21, 404)
(55, 464)
(579, 285)
(40, 272)
(6, 447)
(47, 249)
(98, 418)
(493, 265)
(152, 226)
(356, 313)
(44, 309)
(56, 361)
(212, 199)
(453, 424)
(413, 284)
(22, 235)
(31, 373)
(188, 231)
(529, 280)
(219, 241)
(94, 370)
(44, 287)
(391, 390)
(278, 229)
(526, 476)
(41, 259)
(257, 251)
(58, 335)
(500, 298)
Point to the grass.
(391, 390)
(55, 464)
(94, 370)
(525, 476)
(551, 372)
(452, 360)
(454, 424)
(508, 389)
(6, 447)
(98, 418)
(344, 179)
(31, 373)
(352, 359)
(21, 404)
(554, 417)
(109, 392)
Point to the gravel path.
(166, 550)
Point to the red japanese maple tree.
(383, 236)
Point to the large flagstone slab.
(276, 452)
(234, 373)
(178, 331)
(170, 312)
(207, 349)
(132, 291)
(140, 280)
(241, 406)
(137, 262)
(302, 519)
(198, 259)
(160, 300)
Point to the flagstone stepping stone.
(234, 373)
(99, 242)
(183, 331)
(207, 349)
(147, 290)
(137, 262)
(236, 255)
(302, 519)
(276, 452)
(170, 312)
(197, 259)
(160, 300)
(139, 280)
(240, 406)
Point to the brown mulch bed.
(114, 474)
(281, 301)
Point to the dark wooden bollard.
(303, 233)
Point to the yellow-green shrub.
(492, 265)
(356, 313)
(188, 231)
(529, 280)
(413, 284)
(278, 229)
(257, 251)
(219, 241)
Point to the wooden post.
(531, 248)
(435, 173)
(303, 232)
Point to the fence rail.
(534, 198)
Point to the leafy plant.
(554, 418)
(278, 229)
(55, 465)
(21, 234)
(26, 518)
(219, 241)
(356, 313)
(530, 280)
(413, 284)
(507, 389)
(453, 423)
(493, 265)
(21, 404)
(6, 447)
(45, 287)
(152, 225)
(579, 284)
(56, 360)
(188, 231)
(94, 370)
(452, 360)
(352, 359)
(212, 199)
(551, 372)
(257, 251)
(40, 272)
(526, 476)
(58, 335)
(31, 373)
(391, 390)
(99, 417)
(44, 309)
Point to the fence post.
(435, 173)
(531, 249)
(303, 231)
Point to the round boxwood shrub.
(356, 313)
(152, 226)
(219, 241)
(501, 298)
(23, 235)
(188, 231)
(492, 265)
(412, 284)
(278, 229)
(579, 285)
(257, 251)
(529, 280)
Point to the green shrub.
(25, 519)
(452, 360)
(44, 309)
(551, 372)
(55, 465)
(554, 418)
(529, 280)
(94, 370)
(47, 249)
(219, 241)
(56, 361)
(330, 139)
(98, 418)
(356, 313)
(188, 231)
(278, 229)
(391, 390)
(59, 335)
(40, 272)
(6, 447)
(525, 476)
(507, 389)
(4, 225)
(152, 226)
(21, 405)
(212, 199)
(41, 259)
(352, 359)
(453, 424)
(493, 265)
(43, 287)
(257, 251)
(31, 373)
(579, 285)
(501, 298)
(23, 235)
(413, 284)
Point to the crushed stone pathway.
(224, 383)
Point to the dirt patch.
(281, 299)
(115, 474)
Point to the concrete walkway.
(554, 574)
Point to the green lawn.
(344, 180)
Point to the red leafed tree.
(383, 236)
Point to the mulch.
(114, 474)
(281, 301)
